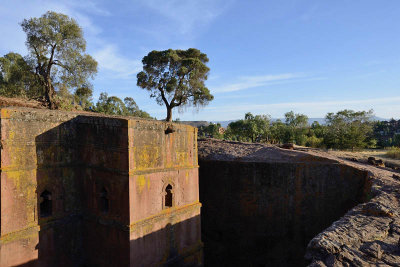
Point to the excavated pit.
(262, 205)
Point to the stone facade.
(87, 190)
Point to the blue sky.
(266, 57)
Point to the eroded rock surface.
(368, 235)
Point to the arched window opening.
(104, 202)
(46, 207)
(168, 196)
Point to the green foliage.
(113, 105)
(17, 78)
(313, 141)
(349, 129)
(345, 129)
(83, 96)
(296, 120)
(133, 109)
(318, 130)
(252, 128)
(212, 130)
(394, 153)
(293, 130)
(175, 78)
(396, 141)
(64, 99)
(56, 47)
(296, 128)
(278, 132)
(387, 133)
(110, 105)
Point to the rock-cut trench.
(264, 213)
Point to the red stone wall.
(158, 159)
(36, 155)
(103, 156)
(78, 156)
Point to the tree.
(130, 104)
(315, 135)
(175, 78)
(349, 129)
(212, 130)
(396, 141)
(252, 128)
(132, 109)
(110, 105)
(17, 77)
(387, 133)
(278, 132)
(113, 105)
(297, 125)
(56, 45)
(83, 95)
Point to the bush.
(314, 141)
(394, 153)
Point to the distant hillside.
(310, 121)
(224, 123)
(195, 123)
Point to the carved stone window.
(168, 196)
(104, 201)
(46, 205)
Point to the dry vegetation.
(394, 153)
(21, 102)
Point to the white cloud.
(247, 82)
(12, 12)
(188, 13)
(119, 66)
(336, 103)
(107, 55)
(90, 6)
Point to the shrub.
(314, 141)
(394, 152)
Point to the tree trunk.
(49, 94)
(169, 114)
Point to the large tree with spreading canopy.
(56, 45)
(175, 78)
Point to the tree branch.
(53, 48)
(163, 97)
(57, 62)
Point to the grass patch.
(393, 153)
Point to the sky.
(266, 56)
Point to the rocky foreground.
(367, 235)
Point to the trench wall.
(265, 213)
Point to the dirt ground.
(363, 156)
(229, 150)
(21, 102)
